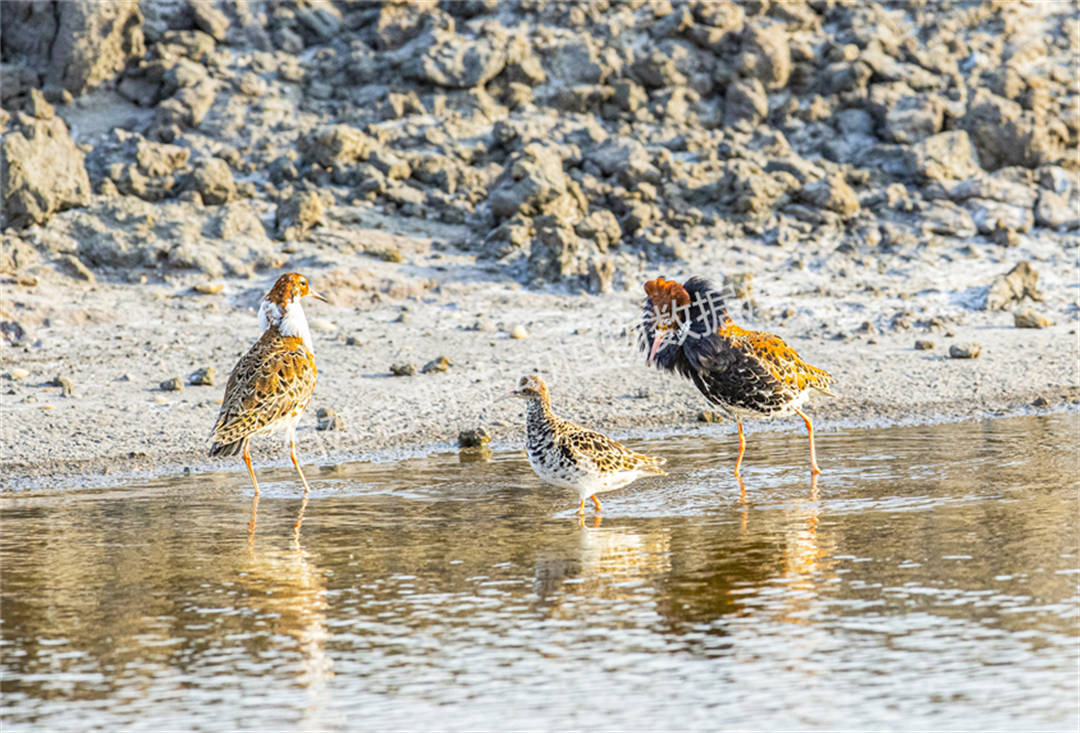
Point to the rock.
(945, 157)
(518, 332)
(745, 102)
(67, 387)
(923, 345)
(1006, 134)
(213, 180)
(831, 194)
(913, 119)
(1031, 319)
(42, 171)
(210, 20)
(618, 154)
(710, 416)
(172, 385)
(990, 216)
(12, 331)
(532, 183)
(601, 275)
(77, 44)
(440, 364)
(766, 54)
(298, 214)
(965, 351)
(1057, 210)
(1040, 401)
(320, 20)
(236, 220)
(160, 159)
(945, 217)
(473, 438)
(208, 288)
(329, 419)
(403, 370)
(203, 377)
(1018, 283)
(73, 266)
(336, 145)
(575, 61)
(458, 62)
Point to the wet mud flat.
(927, 579)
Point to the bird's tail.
(651, 464)
(227, 449)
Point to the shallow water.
(928, 580)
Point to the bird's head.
(281, 306)
(667, 312)
(290, 287)
(531, 387)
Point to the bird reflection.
(288, 591)
(601, 561)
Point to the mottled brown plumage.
(272, 383)
(568, 455)
(686, 329)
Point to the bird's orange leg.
(742, 446)
(292, 455)
(251, 471)
(814, 470)
(254, 499)
(581, 508)
(596, 502)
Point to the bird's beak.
(508, 395)
(657, 341)
(317, 296)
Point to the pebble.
(1031, 319)
(209, 288)
(403, 370)
(321, 324)
(710, 416)
(518, 332)
(203, 377)
(19, 373)
(440, 364)
(172, 385)
(1040, 401)
(923, 345)
(473, 438)
(964, 351)
(329, 419)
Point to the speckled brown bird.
(570, 456)
(686, 329)
(273, 382)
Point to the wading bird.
(273, 382)
(686, 329)
(567, 455)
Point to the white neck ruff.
(291, 324)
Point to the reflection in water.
(926, 579)
(284, 585)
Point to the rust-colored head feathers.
(668, 298)
(291, 287)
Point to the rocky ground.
(883, 185)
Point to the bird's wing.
(784, 363)
(606, 453)
(273, 379)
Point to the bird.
(569, 456)
(273, 382)
(686, 329)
